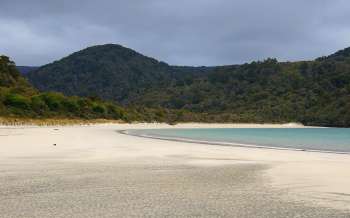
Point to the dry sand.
(94, 171)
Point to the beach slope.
(94, 171)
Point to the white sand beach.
(94, 171)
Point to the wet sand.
(97, 172)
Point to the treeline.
(51, 104)
(56, 105)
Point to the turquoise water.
(324, 139)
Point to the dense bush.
(17, 101)
(46, 105)
(98, 108)
(38, 105)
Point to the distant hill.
(311, 92)
(26, 69)
(109, 71)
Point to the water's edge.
(228, 144)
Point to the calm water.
(325, 139)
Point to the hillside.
(312, 92)
(110, 72)
(19, 99)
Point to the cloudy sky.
(181, 32)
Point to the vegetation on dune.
(311, 92)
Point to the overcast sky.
(180, 32)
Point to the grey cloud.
(182, 32)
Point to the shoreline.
(228, 144)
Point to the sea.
(335, 140)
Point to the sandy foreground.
(94, 171)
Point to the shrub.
(53, 100)
(115, 112)
(38, 105)
(17, 101)
(98, 108)
(71, 105)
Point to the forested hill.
(110, 71)
(11, 78)
(20, 100)
(312, 92)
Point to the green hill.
(19, 99)
(311, 92)
(10, 77)
(110, 72)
